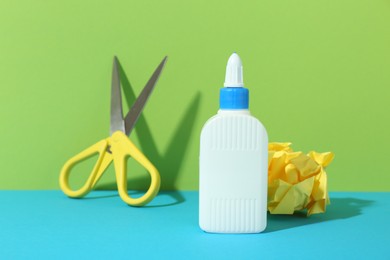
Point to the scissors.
(118, 146)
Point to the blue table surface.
(43, 224)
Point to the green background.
(318, 74)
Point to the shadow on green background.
(175, 152)
(317, 72)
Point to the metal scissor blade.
(116, 113)
(139, 104)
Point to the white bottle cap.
(234, 77)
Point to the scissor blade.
(116, 113)
(135, 111)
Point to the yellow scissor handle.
(102, 163)
(122, 148)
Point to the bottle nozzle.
(234, 95)
(234, 73)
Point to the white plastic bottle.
(233, 163)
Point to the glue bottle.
(233, 162)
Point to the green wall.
(318, 74)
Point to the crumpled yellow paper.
(297, 181)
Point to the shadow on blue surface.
(176, 197)
(340, 208)
(98, 195)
